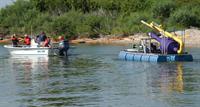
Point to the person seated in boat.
(41, 39)
(134, 46)
(37, 39)
(27, 40)
(15, 41)
(47, 42)
(63, 46)
(153, 48)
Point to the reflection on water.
(54, 81)
(178, 85)
(172, 84)
(172, 80)
(95, 78)
(30, 65)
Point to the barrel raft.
(149, 57)
(159, 46)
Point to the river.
(92, 76)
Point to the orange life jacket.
(27, 41)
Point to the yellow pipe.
(165, 33)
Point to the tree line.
(93, 18)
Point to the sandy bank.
(192, 39)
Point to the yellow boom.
(158, 28)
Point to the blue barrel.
(162, 58)
(137, 57)
(171, 57)
(145, 58)
(153, 58)
(129, 57)
(188, 57)
(122, 55)
(184, 57)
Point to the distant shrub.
(66, 24)
(94, 25)
(131, 24)
(93, 21)
(186, 17)
(40, 23)
(91, 18)
(13, 18)
(128, 6)
(162, 10)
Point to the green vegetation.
(92, 18)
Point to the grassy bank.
(94, 18)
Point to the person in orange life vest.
(27, 40)
(15, 41)
(47, 42)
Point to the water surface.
(92, 76)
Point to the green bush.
(67, 23)
(128, 6)
(131, 24)
(16, 16)
(91, 18)
(94, 23)
(162, 10)
(186, 17)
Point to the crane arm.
(158, 28)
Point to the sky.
(3, 3)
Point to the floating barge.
(150, 57)
(166, 48)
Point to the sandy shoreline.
(192, 39)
